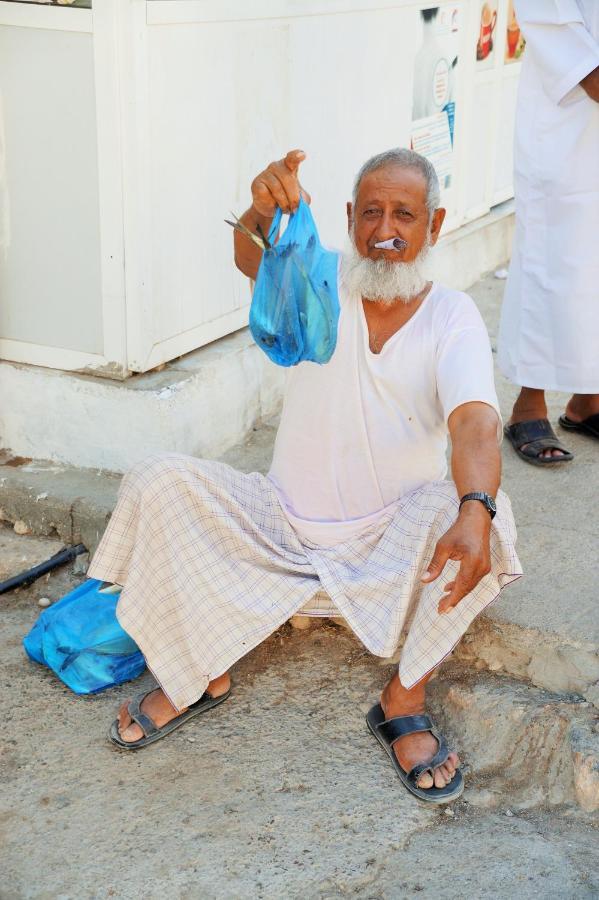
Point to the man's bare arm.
(476, 466)
(590, 84)
(277, 185)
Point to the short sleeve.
(560, 44)
(464, 361)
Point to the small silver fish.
(260, 240)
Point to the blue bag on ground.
(80, 639)
(295, 306)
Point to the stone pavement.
(282, 792)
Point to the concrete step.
(535, 747)
(90, 421)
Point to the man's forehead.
(393, 182)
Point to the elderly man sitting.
(355, 517)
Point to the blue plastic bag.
(80, 639)
(295, 306)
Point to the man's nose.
(387, 227)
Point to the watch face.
(492, 504)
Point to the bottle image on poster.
(433, 105)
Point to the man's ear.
(437, 222)
(350, 215)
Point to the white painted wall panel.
(50, 292)
(226, 98)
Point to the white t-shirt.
(365, 429)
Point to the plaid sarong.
(211, 566)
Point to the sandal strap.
(145, 722)
(592, 422)
(537, 433)
(438, 759)
(400, 726)
(533, 430)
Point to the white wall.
(132, 130)
(49, 258)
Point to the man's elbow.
(475, 420)
(245, 266)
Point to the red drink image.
(488, 19)
(513, 36)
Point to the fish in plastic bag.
(80, 639)
(295, 305)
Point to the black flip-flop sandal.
(538, 435)
(388, 731)
(152, 732)
(589, 426)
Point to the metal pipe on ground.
(30, 575)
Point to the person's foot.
(159, 708)
(582, 406)
(421, 747)
(529, 407)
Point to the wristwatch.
(486, 499)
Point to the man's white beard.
(384, 281)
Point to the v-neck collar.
(400, 330)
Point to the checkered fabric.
(211, 566)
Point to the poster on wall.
(485, 44)
(433, 103)
(515, 43)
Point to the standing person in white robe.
(355, 517)
(549, 334)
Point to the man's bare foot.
(530, 406)
(159, 708)
(415, 748)
(581, 406)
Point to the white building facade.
(130, 130)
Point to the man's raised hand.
(278, 185)
(467, 542)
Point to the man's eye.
(371, 212)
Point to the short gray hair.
(406, 159)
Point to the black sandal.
(388, 731)
(538, 435)
(152, 732)
(588, 426)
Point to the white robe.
(549, 334)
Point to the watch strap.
(486, 499)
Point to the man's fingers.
(306, 196)
(435, 567)
(279, 191)
(466, 581)
(288, 184)
(293, 160)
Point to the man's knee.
(151, 470)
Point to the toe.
(452, 762)
(132, 733)
(444, 771)
(123, 718)
(440, 781)
(425, 781)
